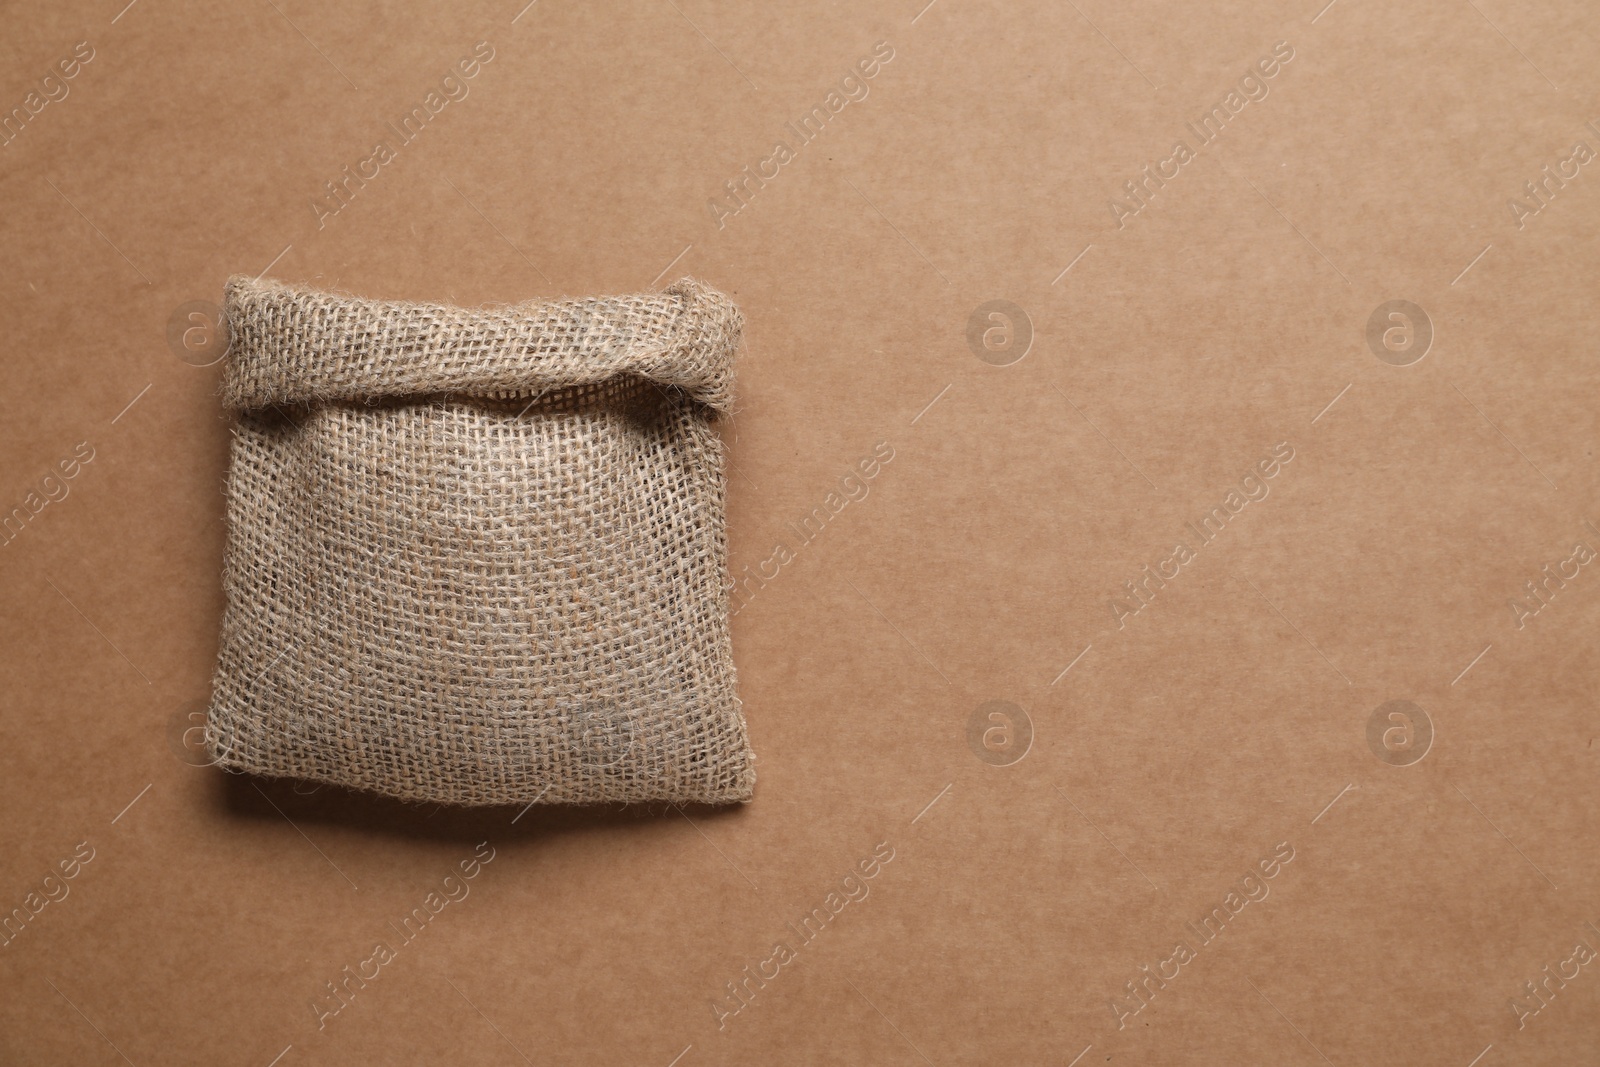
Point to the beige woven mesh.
(478, 556)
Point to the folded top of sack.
(297, 345)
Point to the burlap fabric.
(478, 556)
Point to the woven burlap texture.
(478, 556)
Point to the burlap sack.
(478, 555)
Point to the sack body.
(478, 556)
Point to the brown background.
(1228, 716)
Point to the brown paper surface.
(1164, 512)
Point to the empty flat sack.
(479, 556)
